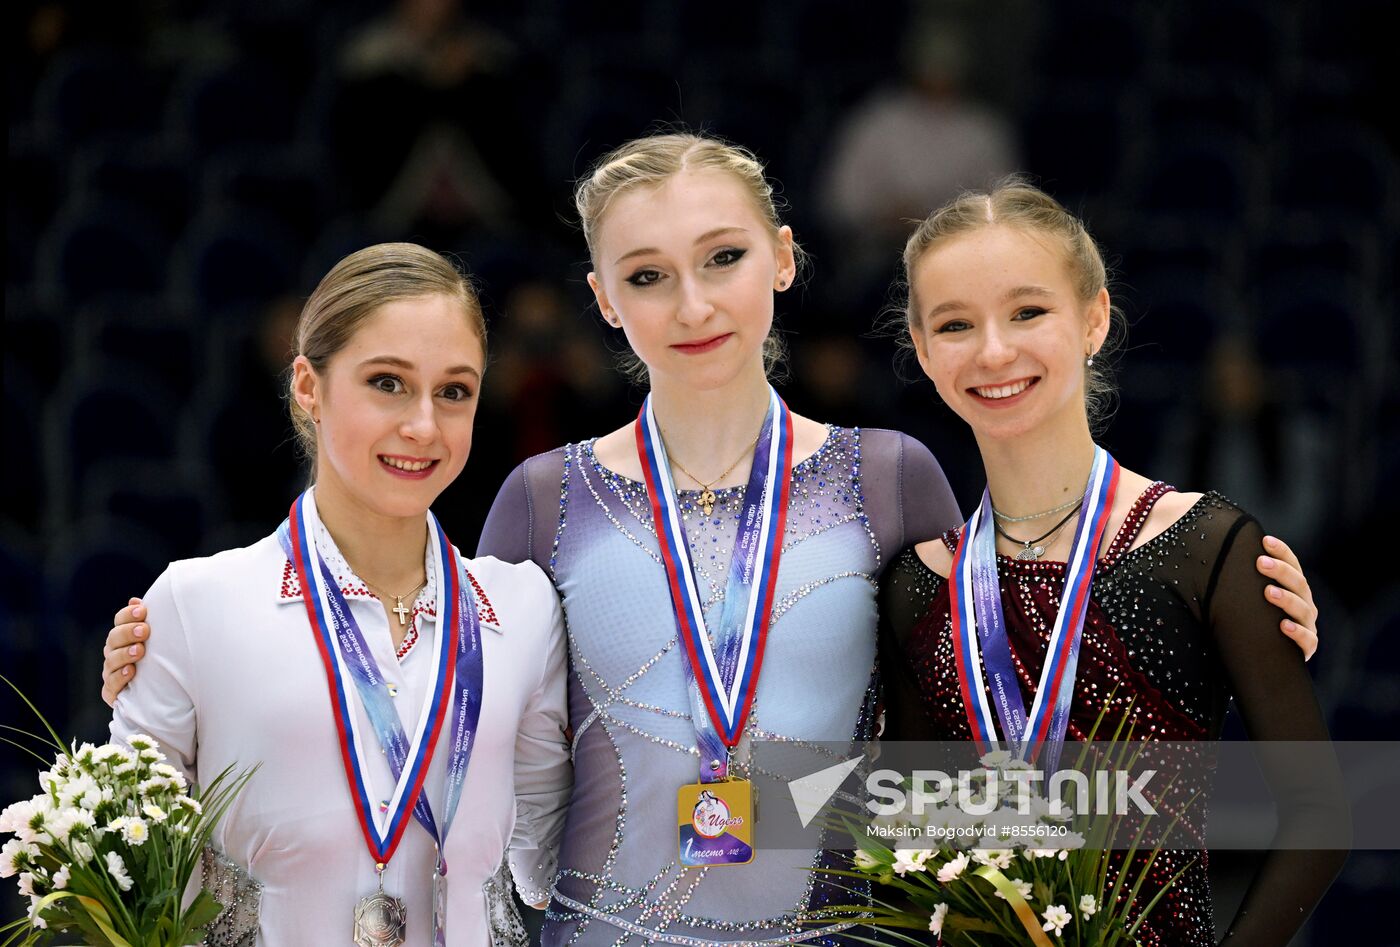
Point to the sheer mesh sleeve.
(907, 497)
(1274, 695)
(906, 591)
(524, 517)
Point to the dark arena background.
(180, 174)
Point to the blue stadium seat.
(1316, 322)
(1073, 139)
(25, 485)
(1209, 178)
(1231, 38)
(1098, 41)
(101, 247)
(141, 334)
(95, 565)
(244, 106)
(177, 502)
(153, 175)
(288, 186)
(1337, 168)
(1174, 315)
(235, 260)
(91, 93)
(118, 415)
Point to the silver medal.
(380, 921)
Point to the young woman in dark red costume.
(1008, 313)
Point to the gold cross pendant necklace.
(399, 609)
(707, 495)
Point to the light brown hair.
(353, 290)
(651, 161)
(1016, 203)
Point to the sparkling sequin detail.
(241, 896)
(1146, 640)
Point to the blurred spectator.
(1244, 439)
(905, 150)
(424, 122)
(549, 381)
(250, 418)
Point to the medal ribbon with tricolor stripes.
(382, 826)
(979, 627)
(726, 684)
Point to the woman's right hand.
(124, 648)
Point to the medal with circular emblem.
(380, 921)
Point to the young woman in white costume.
(376, 677)
(688, 251)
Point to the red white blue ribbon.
(456, 675)
(979, 627)
(725, 674)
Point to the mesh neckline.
(1117, 549)
(812, 458)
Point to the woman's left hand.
(1290, 592)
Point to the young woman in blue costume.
(1008, 313)
(688, 250)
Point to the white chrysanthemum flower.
(136, 831)
(864, 860)
(34, 917)
(82, 851)
(910, 859)
(141, 741)
(15, 816)
(953, 869)
(26, 884)
(1023, 888)
(16, 856)
(108, 752)
(1087, 906)
(996, 857)
(1056, 917)
(151, 755)
(62, 824)
(116, 867)
(60, 878)
(192, 805)
(996, 758)
(935, 921)
(155, 812)
(124, 768)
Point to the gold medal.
(714, 823)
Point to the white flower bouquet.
(1010, 868)
(108, 847)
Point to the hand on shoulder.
(934, 554)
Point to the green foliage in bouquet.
(1055, 877)
(109, 846)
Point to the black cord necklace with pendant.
(1030, 548)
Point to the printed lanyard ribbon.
(723, 678)
(456, 684)
(979, 625)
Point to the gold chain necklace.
(399, 609)
(707, 495)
